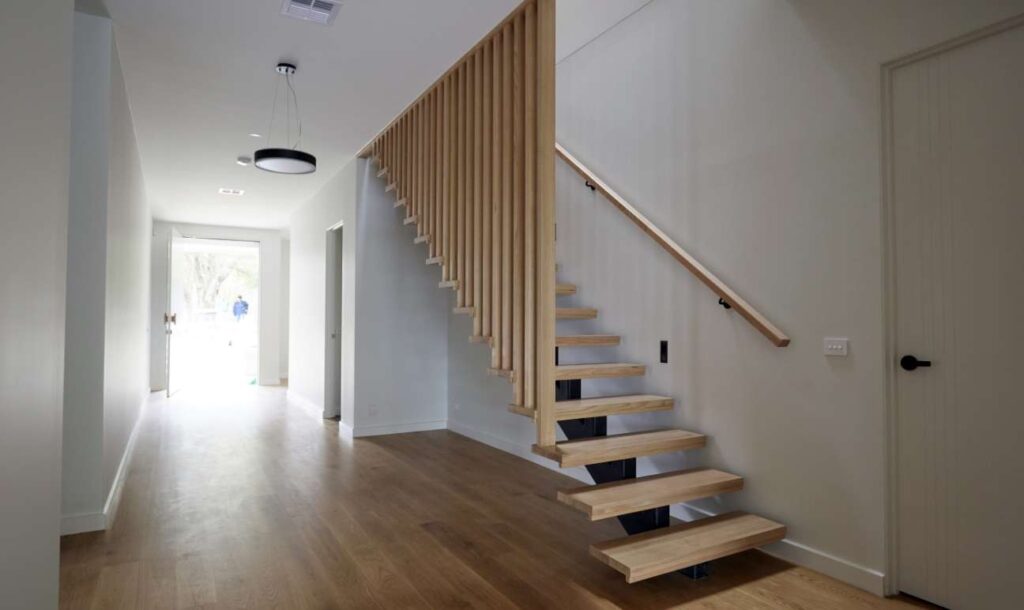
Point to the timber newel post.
(545, 157)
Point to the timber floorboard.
(238, 499)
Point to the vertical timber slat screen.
(472, 160)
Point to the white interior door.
(176, 361)
(332, 327)
(958, 222)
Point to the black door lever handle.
(910, 362)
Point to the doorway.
(955, 213)
(214, 300)
(333, 325)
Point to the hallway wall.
(751, 133)
(106, 359)
(34, 174)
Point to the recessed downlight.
(243, 160)
(232, 192)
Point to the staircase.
(654, 547)
(472, 162)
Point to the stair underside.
(598, 371)
(611, 405)
(634, 495)
(672, 548)
(619, 447)
(563, 289)
(587, 340)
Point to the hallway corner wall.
(106, 359)
(37, 39)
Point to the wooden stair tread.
(464, 310)
(422, 239)
(633, 495)
(620, 446)
(408, 220)
(565, 289)
(587, 340)
(601, 370)
(575, 313)
(453, 284)
(400, 203)
(435, 260)
(611, 405)
(672, 548)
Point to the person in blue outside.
(240, 309)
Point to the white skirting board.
(306, 404)
(789, 550)
(94, 522)
(379, 430)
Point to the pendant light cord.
(298, 115)
(273, 112)
(289, 100)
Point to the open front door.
(175, 304)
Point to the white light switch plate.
(836, 346)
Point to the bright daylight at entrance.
(214, 333)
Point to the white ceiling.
(200, 77)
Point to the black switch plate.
(664, 351)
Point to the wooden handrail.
(709, 279)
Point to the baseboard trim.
(95, 522)
(787, 550)
(382, 429)
(85, 522)
(304, 403)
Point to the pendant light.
(287, 159)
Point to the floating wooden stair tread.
(575, 313)
(565, 289)
(672, 548)
(390, 187)
(400, 203)
(481, 339)
(598, 371)
(587, 340)
(611, 405)
(464, 310)
(435, 260)
(506, 373)
(448, 284)
(383, 172)
(634, 495)
(422, 239)
(408, 220)
(620, 446)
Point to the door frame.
(891, 581)
(176, 234)
(333, 251)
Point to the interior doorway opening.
(214, 300)
(333, 325)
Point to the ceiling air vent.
(317, 11)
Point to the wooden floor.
(240, 501)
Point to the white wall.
(394, 318)
(85, 327)
(35, 105)
(751, 133)
(129, 230)
(270, 327)
(335, 204)
(106, 359)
